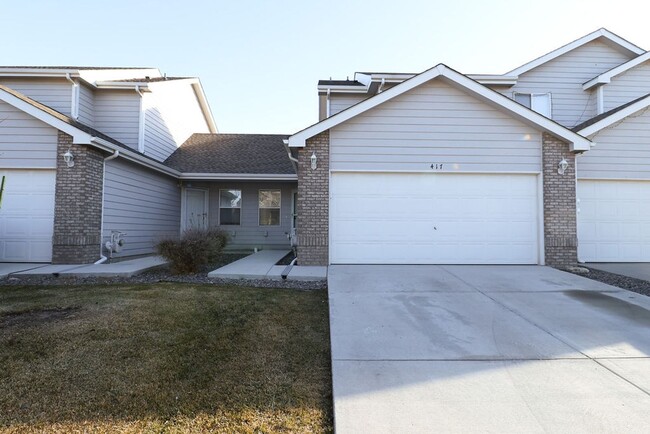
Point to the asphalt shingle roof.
(606, 114)
(233, 153)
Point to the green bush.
(195, 249)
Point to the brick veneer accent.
(560, 226)
(313, 202)
(78, 204)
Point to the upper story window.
(229, 207)
(540, 102)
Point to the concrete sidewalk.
(261, 265)
(128, 268)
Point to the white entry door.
(613, 221)
(400, 218)
(27, 215)
(196, 209)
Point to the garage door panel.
(614, 221)
(437, 218)
(27, 216)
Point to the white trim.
(237, 176)
(468, 172)
(541, 254)
(575, 44)
(615, 117)
(614, 179)
(205, 106)
(607, 76)
(279, 208)
(577, 142)
(141, 120)
(490, 79)
(241, 195)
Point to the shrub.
(195, 249)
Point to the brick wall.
(313, 202)
(560, 226)
(78, 204)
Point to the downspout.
(141, 123)
(103, 258)
(327, 103)
(381, 85)
(74, 106)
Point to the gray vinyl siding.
(172, 115)
(25, 142)
(117, 114)
(340, 102)
(86, 105)
(564, 76)
(250, 234)
(435, 124)
(53, 92)
(143, 203)
(627, 86)
(620, 152)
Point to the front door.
(196, 209)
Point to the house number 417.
(436, 166)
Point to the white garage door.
(614, 221)
(433, 219)
(27, 215)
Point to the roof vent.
(146, 77)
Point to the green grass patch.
(164, 358)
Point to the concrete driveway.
(486, 349)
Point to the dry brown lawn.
(164, 358)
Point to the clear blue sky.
(259, 61)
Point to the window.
(540, 102)
(269, 207)
(229, 207)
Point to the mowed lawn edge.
(164, 357)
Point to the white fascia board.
(134, 156)
(493, 79)
(323, 88)
(615, 117)
(575, 44)
(79, 137)
(47, 73)
(205, 106)
(606, 77)
(577, 142)
(238, 176)
(125, 85)
(362, 78)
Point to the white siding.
(250, 234)
(86, 105)
(340, 102)
(622, 151)
(628, 86)
(143, 203)
(25, 142)
(435, 124)
(53, 92)
(564, 76)
(117, 114)
(172, 115)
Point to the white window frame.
(279, 208)
(537, 96)
(241, 207)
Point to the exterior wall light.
(68, 158)
(314, 161)
(562, 166)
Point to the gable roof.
(81, 134)
(600, 33)
(233, 156)
(607, 76)
(610, 117)
(578, 143)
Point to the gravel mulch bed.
(164, 275)
(624, 282)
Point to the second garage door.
(397, 218)
(614, 221)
